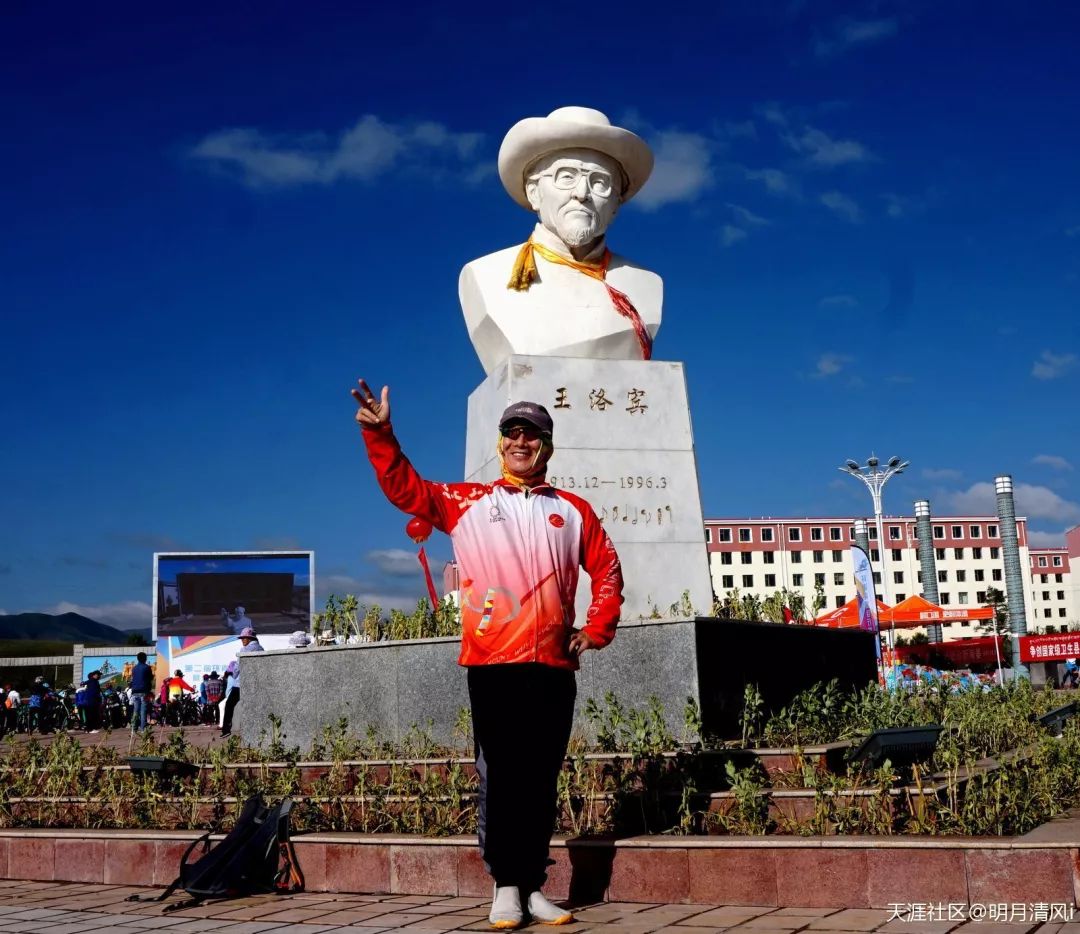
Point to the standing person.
(92, 702)
(519, 543)
(249, 642)
(37, 702)
(142, 688)
(215, 694)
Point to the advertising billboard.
(204, 600)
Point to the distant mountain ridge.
(65, 627)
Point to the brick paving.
(78, 908)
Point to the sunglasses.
(528, 432)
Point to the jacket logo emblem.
(556, 520)
(495, 514)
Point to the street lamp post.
(874, 476)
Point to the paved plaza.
(74, 908)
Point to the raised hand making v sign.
(372, 411)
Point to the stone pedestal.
(623, 442)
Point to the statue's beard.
(577, 230)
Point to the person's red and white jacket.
(518, 556)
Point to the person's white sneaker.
(540, 909)
(506, 908)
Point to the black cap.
(530, 412)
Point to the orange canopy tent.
(848, 615)
(918, 611)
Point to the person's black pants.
(521, 715)
(230, 705)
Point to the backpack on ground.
(255, 857)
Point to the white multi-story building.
(760, 556)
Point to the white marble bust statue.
(563, 293)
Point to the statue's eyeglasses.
(566, 177)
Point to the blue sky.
(867, 217)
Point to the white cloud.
(941, 473)
(842, 206)
(829, 364)
(1035, 502)
(774, 180)
(1046, 539)
(746, 217)
(823, 151)
(363, 152)
(838, 301)
(849, 33)
(682, 171)
(730, 234)
(128, 614)
(1051, 365)
(1052, 461)
(395, 562)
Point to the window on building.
(746, 557)
(836, 534)
(839, 601)
(745, 535)
(708, 536)
(995, 553)
(980, 574)
(796, 557)
(871, 533)
(838, 579)
(725, 557)
(748, 580)
(962, 597)
(769, 557)
(875, 555)
(976, 553)
(991, 531)
(944, 601)
(819, 579)
(901, 597)
(995, 574)
(1048, 613)
(961, 576)
(1057, 561)
(1061, 611)
(975, 530)
(770, 580)
(918, 577)
(1057, 579)
(877, 578)
(939, 553)
(794, 535)
(939, 531)
(957, 531)
(837, 557)
(796, 580)
(894, 533)
(898, 577)
(965, 622)
(819, 557)
(727, 581)
(980, 596)
(1046, 594)
(723, 535)
(816, 534)
(1061, 594)
(1042, 561)
(958, 554)
(897, 555)
(767, 535)
(942, 577)
(1043, 578)
(851, 533)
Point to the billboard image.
(115, 669)
(216, 595)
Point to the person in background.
(215, 694)
(176, 686)
(37, 701)
(249, 642)
(142, 688)
(92, 699)
(7, 722)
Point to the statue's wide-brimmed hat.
(571, 128)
